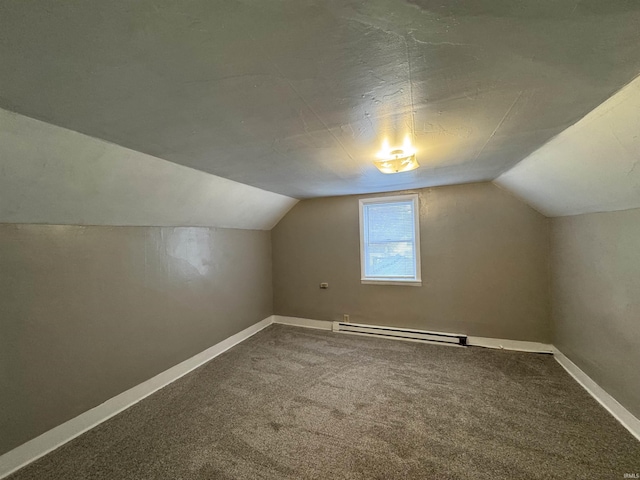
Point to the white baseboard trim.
(516, 345)
(58, 436)
(498, 343)
(624, 416)
(303, 322)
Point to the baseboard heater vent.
(392, 332)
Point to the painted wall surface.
(596, 298)
(88, 312)
(592, 166)
(484, 266)
(52, 175)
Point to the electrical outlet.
(345, 317)
(324, 285)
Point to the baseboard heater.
(392, 332)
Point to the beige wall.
(596, 298)
(88, 312)
(484, 265)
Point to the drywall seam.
(58, 436)
(517, 197)
(624, 416)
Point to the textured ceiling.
(295, 96)
(593, 166)
(56, 176)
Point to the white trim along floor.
(58, 436)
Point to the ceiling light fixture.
(397, 159)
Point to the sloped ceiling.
(295, 96)
(593, 166)
(53, 175)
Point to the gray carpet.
(293, 403)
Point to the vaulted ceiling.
(52, 175)
(296, 96)
(592, 166)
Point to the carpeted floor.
(293, 403)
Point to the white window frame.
(417, 281)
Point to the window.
(390, 240)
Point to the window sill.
(408, 283)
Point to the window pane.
(390, 222)
(391, 259)
(389, 242)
